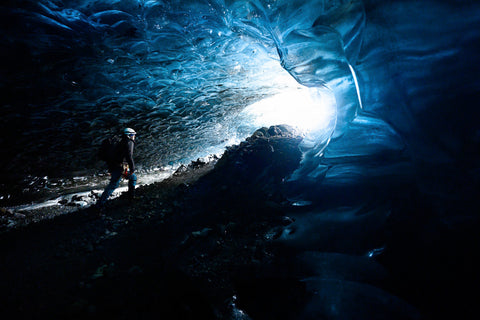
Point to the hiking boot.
(131, 195)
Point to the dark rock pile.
(187, 248)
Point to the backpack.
(109, 150)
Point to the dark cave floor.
(176, 251)
(202, 245)
(134, 260)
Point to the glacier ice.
(403, 76)
(180, 71)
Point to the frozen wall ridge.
(400, 156)
(184, 70)
(133, 58)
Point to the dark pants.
(116, 176)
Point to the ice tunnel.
(385, 94)
(181, 70)
(183, 73)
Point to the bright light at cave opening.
(307, 109)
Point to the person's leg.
(132, 182)
(115, 178)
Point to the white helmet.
(128, 131)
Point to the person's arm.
(129, 156)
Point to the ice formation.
(182, 72)
(397, 82)
(179, 71)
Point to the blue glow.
(385, 93)
(307, 109)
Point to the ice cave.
(297, 159)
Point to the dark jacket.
(124, 155)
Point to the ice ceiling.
(398, 76)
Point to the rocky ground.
(187, 247)
(220, 240)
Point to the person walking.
(121, 165)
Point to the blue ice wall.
(397, 179)
(179, 71)
(403, 73)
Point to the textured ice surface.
(320, 230)
(339, 299)
(182, 72)
(177, 71)
(192, 76)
